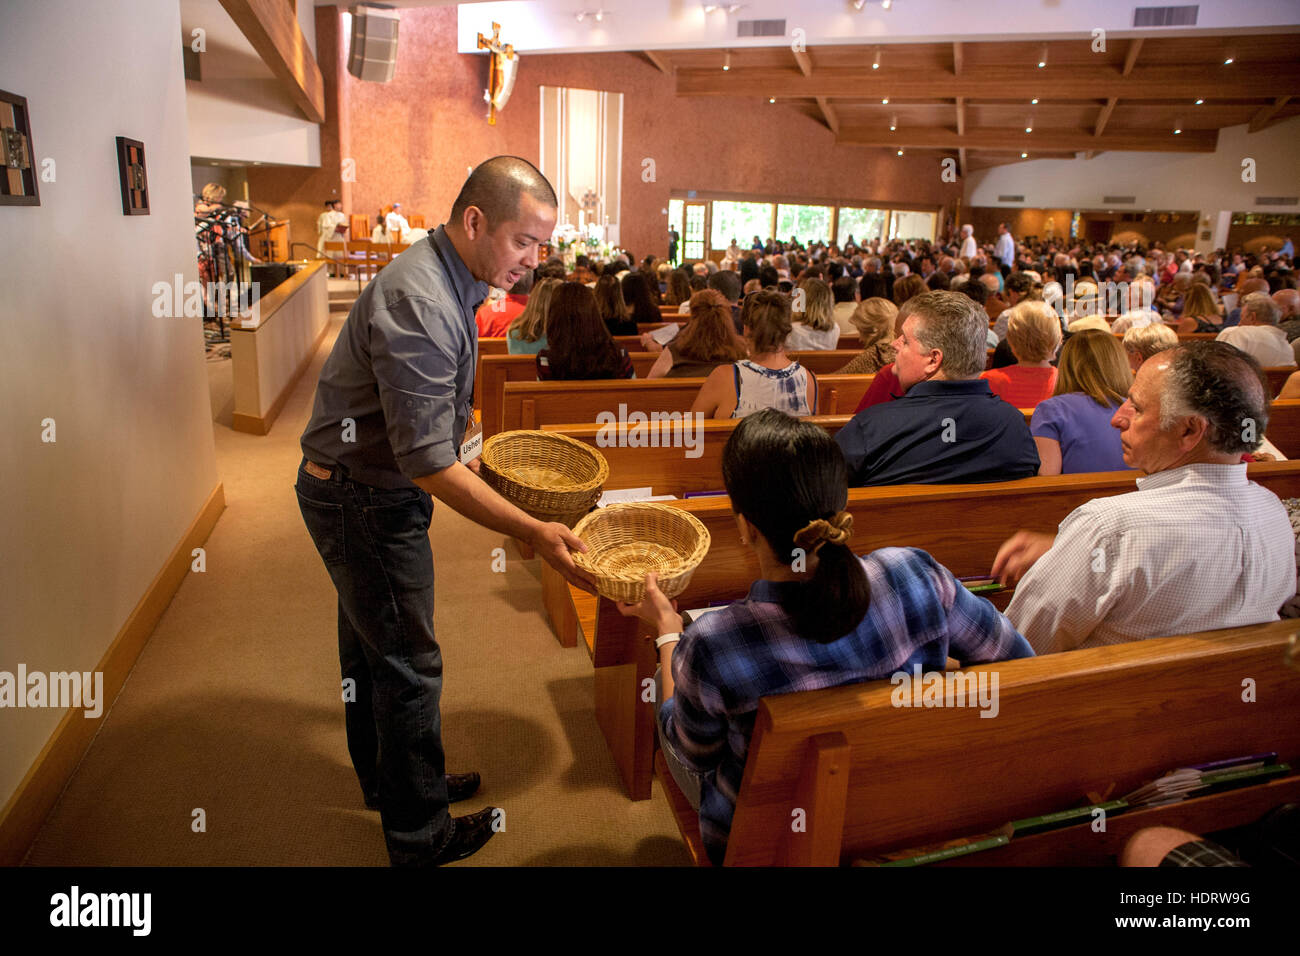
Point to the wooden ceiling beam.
(271, 29)
(961, 116)
(956, 59)
(804, 61)
(828, 111)
(1267, 116)
(1104, 116)
(961, 161)
(1061, 83)
(658, 62)
(1131, 57)
(998, 139)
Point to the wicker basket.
(627, 540)
(550, 476)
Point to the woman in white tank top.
(768, 378)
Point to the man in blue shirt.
(948, 427)
(394, 402)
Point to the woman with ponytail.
(820, 616)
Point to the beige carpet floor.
(234, 708)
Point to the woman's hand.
(655, 609)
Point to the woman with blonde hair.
(708, 340)
(1034, 335)
(815, 326)
(527, 333)
(874, 319)
(769, 378)
(1200, 313)
(1072, 428)
(1142, 343)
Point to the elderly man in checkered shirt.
(1196, 547)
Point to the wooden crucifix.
(503, 64)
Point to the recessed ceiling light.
(771, 99)
(1042, 56)
(885, 101)
(875, 64)
(1228, 61)
(726, 61)
(1034, 101)
(893, 123)
(900, 152)
(1024, 155)
(1177, 131)
(1029, 129)
(1199, 102)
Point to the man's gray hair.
(1221, 384)
(1262, 307)
(952, 323)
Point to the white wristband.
(672, 638)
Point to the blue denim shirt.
(402, 371)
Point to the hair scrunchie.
(815, 533)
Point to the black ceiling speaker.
(372, 54)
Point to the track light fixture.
(1042, 56)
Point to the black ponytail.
(782, 474)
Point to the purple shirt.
(1083, 430)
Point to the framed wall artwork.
(17, 175)
(134, 178)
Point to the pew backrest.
(534, 404)
(1099, 722)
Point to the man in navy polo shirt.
(948, 427)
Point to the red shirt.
(493, 323)
(884, 388)
(1021, 386)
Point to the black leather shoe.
(468, 834)
(460, 786)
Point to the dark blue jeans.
(375, 545)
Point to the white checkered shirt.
(1194, 548)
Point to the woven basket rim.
(595, 483)
(684, 564)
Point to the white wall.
(1209, 182)
(91, 518)
(239, 110)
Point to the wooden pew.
(534, 404)
(872, 777)
(962, 526)
(671, 471)
(494, 371)
(1284, 427)
(1277, 378)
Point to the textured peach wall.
(414, 138)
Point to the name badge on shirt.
(472, 446)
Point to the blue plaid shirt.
(727, 660)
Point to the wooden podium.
(270, 242)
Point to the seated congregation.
(1197, 546)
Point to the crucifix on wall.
(503, 64)
(590, 202)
